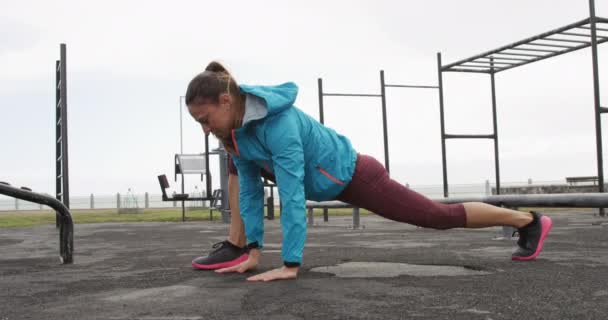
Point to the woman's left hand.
(282, 273)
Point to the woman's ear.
(225, 99)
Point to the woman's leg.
(371, 188)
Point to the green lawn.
(11, 219)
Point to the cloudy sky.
(130, 61)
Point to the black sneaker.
(225, 255)
(531, 237)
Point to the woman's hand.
(282, 273)
(249, 264)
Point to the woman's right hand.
(249, 264)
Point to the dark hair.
(209, 84)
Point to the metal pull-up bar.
(382, 95)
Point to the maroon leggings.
(371, 188)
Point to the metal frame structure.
(575, 36)
(62, 181)
(382, 95)
(66, 225)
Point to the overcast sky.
(129, 62)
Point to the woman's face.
(216, 118)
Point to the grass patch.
(14, 219)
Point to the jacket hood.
(275, 98)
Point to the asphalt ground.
(385, 270)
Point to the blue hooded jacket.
(310, 162)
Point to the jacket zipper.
(325, 173)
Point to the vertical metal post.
(58, 167)
(384, 121)
(596, 100)
(441, 116)
(117, 200)
(356, 218)
(183, 202)
(311, 216)
(147, 201)
(325, 214)
(64, 128)
(495, 127)
(92, 201)
(181, 133)
(207, 172)
(321, 118)
(223, 155)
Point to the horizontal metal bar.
(487, 62)
(576, 34)
(66, 231)
(501, 58)
(350, 95)
(471, 66)
(458, 69)
(548, 45)
(537, 50)
(469, 136)
(603, 110)
(556, 54)
(409, 86)
(520, 54)
(569, 200)
(515, 44)
(566, 40)
(596, 28)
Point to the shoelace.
(218, 246)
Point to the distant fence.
(147, 200)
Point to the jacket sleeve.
(251, 201)
(285, 144)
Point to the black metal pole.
(495, 127)
(64, 128)
(384, 122)
(57, 138)
(207, 172)
(596, 100)
(441, 116)
(321, 118)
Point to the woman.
(263, 130)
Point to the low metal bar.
(350, 95)
(66, 225)
(410, 86)
(570, 200)
(603, 110)
(469, 136)
(542, 35)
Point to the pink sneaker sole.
(546, 224)
(222, 264)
